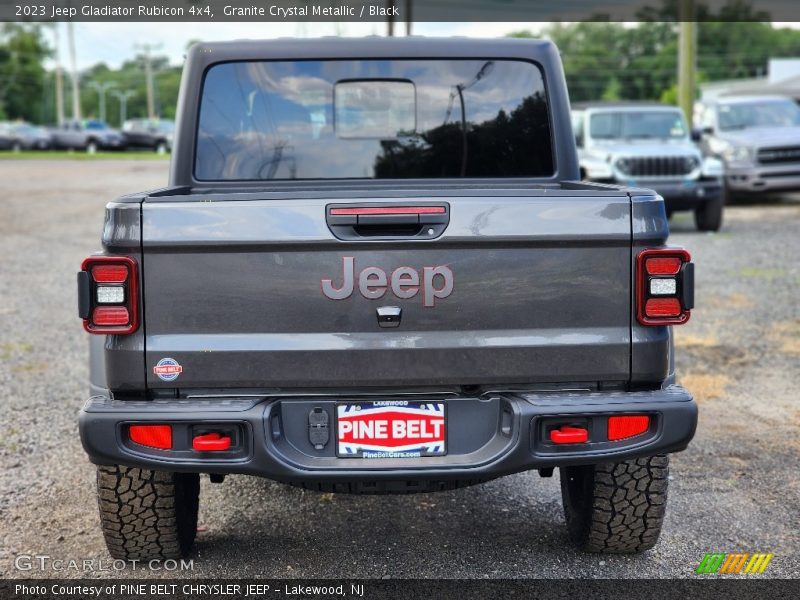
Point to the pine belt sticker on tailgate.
(390, 429)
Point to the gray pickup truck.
(758, 139)
(375, 271)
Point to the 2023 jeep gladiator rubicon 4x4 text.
(380, 274)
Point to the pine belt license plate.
(390, 429)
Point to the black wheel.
(616, 507)
(146, 514)
(708, 216)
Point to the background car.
(151, 134)
(29, 137)
(758, 139)
(6, 137)
(91, 135)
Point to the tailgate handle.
(387, 221)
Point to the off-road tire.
(708, 216)
(616, 507)
(146, 514)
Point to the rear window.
(373, 119)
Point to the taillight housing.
(108, 295)
(664, 286)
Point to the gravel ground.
(736, 489)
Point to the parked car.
(7, 139)
(91, 135)
(29, 137)
(152, 134)
(758, 139)
(649, 145)
(388, 303)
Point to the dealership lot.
(736, 489)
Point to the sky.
(113, 43)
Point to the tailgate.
(262, 294)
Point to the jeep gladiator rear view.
(374, 271)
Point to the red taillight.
(110, 273)
(105, 316)
(664, 286)
(152, 436)
(669, 265)
(662, 307)
(627, 426)
(108, 295)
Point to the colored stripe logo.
(737, 563)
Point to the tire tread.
(626, 507)
(147, 514)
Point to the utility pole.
(123, 104)
(148, 73)
(409, 18)
(390, 19)
(59, 78)
(687, 58)
(102, 88)
(76, 91)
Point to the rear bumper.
(494, 435)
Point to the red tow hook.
(211, 442)
(569, 435)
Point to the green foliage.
(23, 79)
(613, 90)
(130, 76)
(27, 89)
(604, 60)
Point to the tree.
(605, 60)
(130, 76)
(23, 78)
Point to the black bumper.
(688, 195)
(494, 435)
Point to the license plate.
(390, 429)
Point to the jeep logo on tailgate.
(405, 282)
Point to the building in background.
(783, 78)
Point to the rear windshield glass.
(373, 119)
